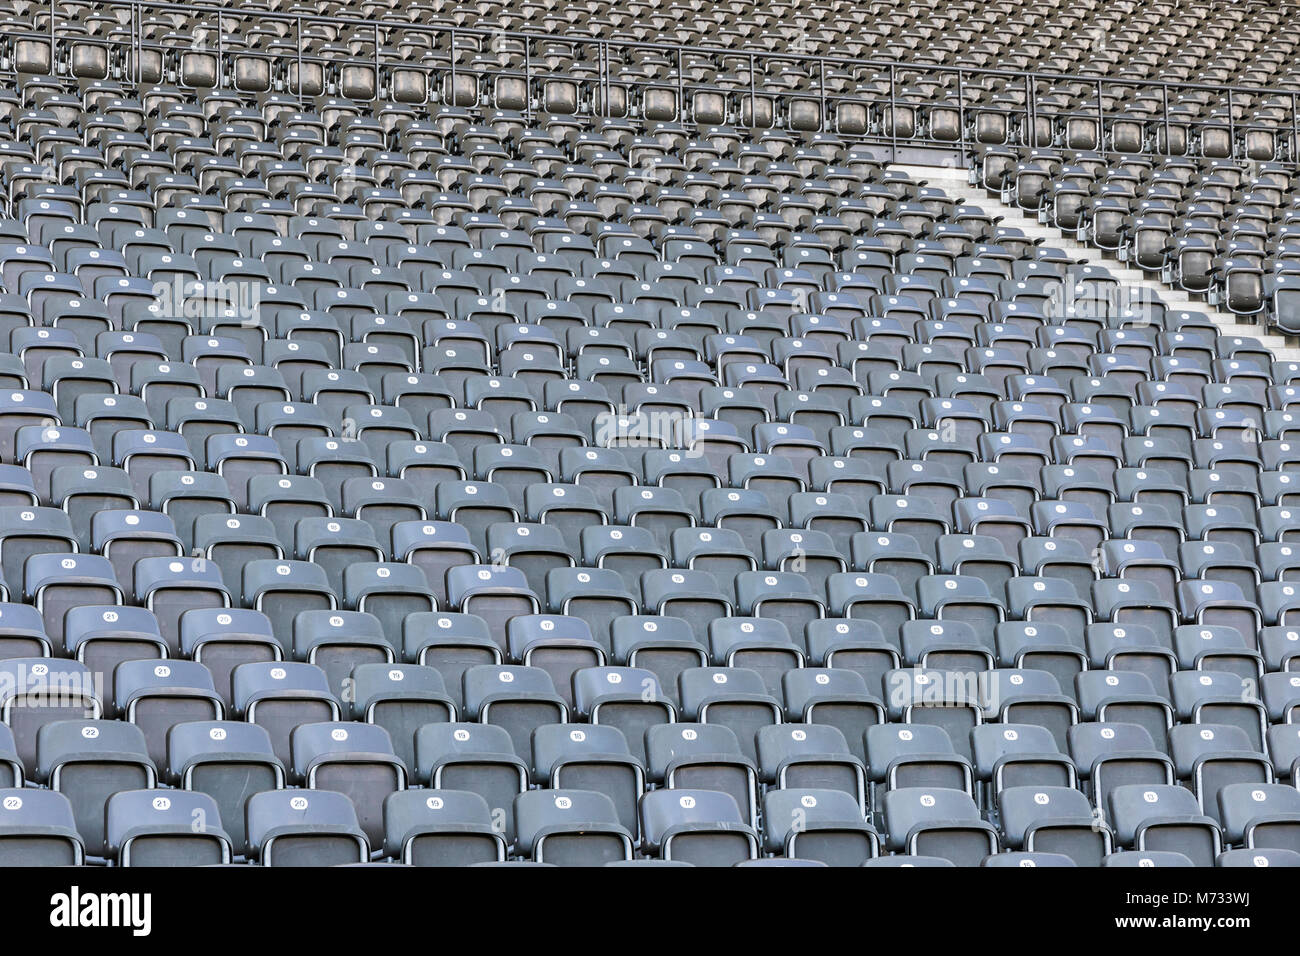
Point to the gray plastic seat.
(280, 696)
(702, 827)
(304, 828)
(354, 759)
(165, 828)
(817, 824)
(479, 758)
(37, 691)
(440, 828)
(227, 760)
(569, 827)
(88, 761)
(38, 828)
(926, 821)
(1164, 817)
(594, 758)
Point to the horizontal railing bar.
(890, 99)
(672, 49)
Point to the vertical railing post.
(1232, 128)
(1032, 85)
(1164, 103)
(602, 59)
(528, 78)
(221, 49)
(139, 44)
(376, 87)
(753, 98)
(1028, 113)
(1101, 120)
(681, 89)
(893, 115)
(452, 54)
(821, 62)
(297, 29)
(961, 116)
(133, 70)
(1295, 132)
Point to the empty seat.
(165, 828)
(229, 761)
(1263, 816)
(354, 759)
(440, 828)
(733, 696)
(515, 698)
(158, 695)
(304, 828)
(88, 761)
(1020, 755)
(1163, 817)
(938, 822)
(1054, 820)
(479, 758)
(571, 827)
(1109, 755)
(810, 756)
(38, 828)
(401, 698)
(280, 696)
(35, 692)
(814, 824)
(703, 827)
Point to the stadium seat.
(304, 828)
(638, 402)
(165, 828)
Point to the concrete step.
(954, 182)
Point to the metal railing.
(880, 102)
